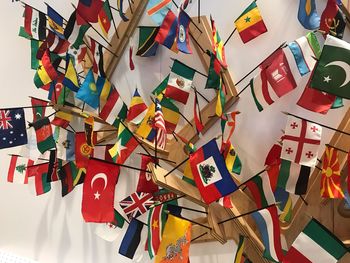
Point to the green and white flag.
(332, 73)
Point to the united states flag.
(136, 204)
(159, 124)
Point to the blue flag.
(88, 91)
(12, 128)
(307, 14)
(131, 239)
(55, 21)
(157, 10)
(183, 40)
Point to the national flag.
(104, 86)
(40, 172)
(331, 74)
(147, 44)
(171, 114)
(333, 21)
(293, 177)
(78, 54)
(145, 183)
(197, 118)
(65, 145)
(71, 80)
(221, 100)
(305, 49)
(210, 173)
(104, 18)
(98, 62)
(330, 180)
(159, 124)
(46, 72)
(167, 32)
(98, 191)
(55, 21)
(102, 152)
(75, 33)
(115, 109)
(82, 150)
(226, 201)
(62, 119)
(218, 45)
(284, 204)
(307, 14)
(250, 23)
(315, 244)
(214, 78)
(228, 120)
(54, 165)
(180, 81)
(188, 176)
(233, 163)
(89, 130)
(131, 239)
(260, 188)
(274, 80)
(136, 204)
(274, 155)
(161, 87)
(146, 129)
(268, 225)
(17, 172)
(176, 238)
(44, 135)
(54, 43)
(301, 141)
(88, 11)
(183, 39)
(121, 10)
(88, 91)
(131, 62)
(70, 176)
(240, 249)
(34, 48)
(137, 109)
(34, 23)
(39, 108)
(158, 9)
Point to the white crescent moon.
(345, 67)
(97, 176)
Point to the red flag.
(274, 155)
(40, 172)
(131, 62)
(82, 150)
(197, 120)
(98, 191)
(88, 11)
(145, 183)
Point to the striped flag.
(55, 21)
(157, 10)
(156, 222)
(34, 23)
(159, 123)
(147, 44)
(218, 45)
(240, 249)
(137, 109)
(46, 72)
(75, 33)
(98, 62)
(17, 171)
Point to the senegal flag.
(45, 72)
(250, 23)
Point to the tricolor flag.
(307, 14)
(65, 144)
(171, 114)
(233, 163)
(158, 9)
(145, 183)
(131, 239)
(147, 44)
(137, 109)
(88, 11)
(17, 172)
(46, 72)
(75, 33)
(167, 32)
(104, 86)
(218, 45)
(104, 18)
(146, 129)
(44, 136)
(240, 249)
(39, 108)
(183, 38)
(34, 23)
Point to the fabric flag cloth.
(89, 130)
(171, 114)
(98, 191)
(285, 205)
(301, 141)
(102, 152)
(274, 80)
(39, 108)
(88, 91)
(240, 249)
(78, 54)
(98, 62)
(40, 174)
(156, 221)
(330, 180)
(145, 183)
(293, 177)
(104, 18)
(65, 144)
(180, 81)
(210, 173)
(54, 165)
(62, 119)
(260, 188)
(136, 204)
(146, 129)
(221, 100)
(228, 120)
(137, 109)
(55, 21)
(197, 117)
(315, 244)
(71, 80)
(35, 46)
(307, 14)
(131, 239)
(161, 87)
(17, 172)
(121, 12)
(214, 78)
(226, 202)
(82, 150)
(73, 32)
(233, 163)
(104, 86)
(250, 24)
(175, 243)
(333, 20)
(183, 38)
(54, 43)
(147, 45)
(44, 136)
(88, 11)
(158, 9)
(268, 225)
(274, 155)
(167, 32)
(218, 45)
(159, 124)
(70, 176)
(331, 73)
(45, 73)
(34, 23)
(131, 62)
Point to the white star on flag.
(97, 195)
(327, 79)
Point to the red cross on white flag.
(301, 141)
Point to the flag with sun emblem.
(330, 181)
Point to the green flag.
(332, 73)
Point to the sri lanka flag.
(210, 173)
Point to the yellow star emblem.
(155, 224)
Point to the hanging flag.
(34, 23)
(54, 43)
(214, 78)
(39, 108)
(55, 21)
(180, 81)
(78, 54)
(268, 225)
(315, 244)
(121, 12)
(114, 109)
(229, 120)
(89, 130)
(40, 174)
(104, 86)
(260, 188)
(137, 109)
(131, 62)
(196, 117)
(45, 73)
(44, 136)
(210, 173)
(301, 141)
(159, 124)
(82, 150)
(240, 249)
(131, 239)
(233, 163)
(167, 32)
(71, 80)
(98, 191)
(307, 14)
(54, 165)
(156, 222)
(333, 21)
(98, 62)
(17, 172)
(161, 87)
(35, 46)
(293, 177)
(221, 100)
(102, 152)
(88, 11)
(330, 181)
(70, 176)
(75, 33)
(104, 18)
(274, 155)
(176, 239)
(147, 44)
(88, 91)
(250, 23)
(145, 183)
(62, 119)
(331, 74)
(171, 114)
(146, 129)
(158, 9)
(284, 205)
(183, 39)
(65, 145)
(226, 201)
(136, 204)
(218, 45)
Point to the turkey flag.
(98, 191)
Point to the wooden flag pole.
(168, 201)
(234, 30)
(121, 165)
(189, 209)
(189, 220)
(340, 150)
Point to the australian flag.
(12, 128)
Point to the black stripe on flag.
(303, 180)
(100, 62)
(70, 26)
(42, 26)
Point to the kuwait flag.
(315, 244)
(17, 171)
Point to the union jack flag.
(5, 120)
(136, 204)
(159, 124)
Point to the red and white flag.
(136, 204)
(17, 172)
(159, 124)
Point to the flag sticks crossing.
(340, 150)
(196, 238)
(112, 17)
(199, 93)
(189, 220)
(177, 166)
(189, 209)
(121, 165)
(168, 201)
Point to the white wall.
(49, 228)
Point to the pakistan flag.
(332, 73)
